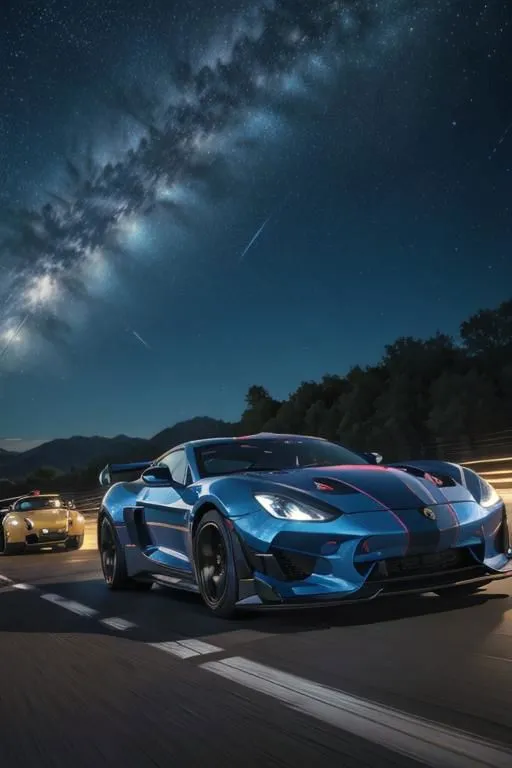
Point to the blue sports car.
(284, 520)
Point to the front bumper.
(35, 539)
(256, 592)
(313, 569)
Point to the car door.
(166, 515)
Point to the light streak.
(13, 336)
(139, 337)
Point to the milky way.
(214, 108)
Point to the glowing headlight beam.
(288, 509)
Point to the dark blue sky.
(366, 135)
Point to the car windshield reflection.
(226, 458)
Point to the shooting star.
(137, 336)
(501, 140)
(255, 237)
(12, 336)
(260, 230)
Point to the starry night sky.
(365, 146)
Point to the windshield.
(39, 502)
(267, 455)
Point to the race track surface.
(91, 679)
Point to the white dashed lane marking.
(80, 609)
(431, 743)
(70, 605)
(185, 649)
(120, 624)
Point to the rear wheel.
(113, 562)
(75, 542)
(215, 565)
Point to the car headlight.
(288, 509)
(489, 496)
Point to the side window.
(178, 465)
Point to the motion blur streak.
(422, 740)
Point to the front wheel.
(75, 542)
(9, 549)
(113, 562)
(215, 565)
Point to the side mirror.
(105, 478)
(157, 477)
(373, 457)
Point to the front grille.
(413, 566)
(295, 566)
(43, 538)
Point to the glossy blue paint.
(374, 514)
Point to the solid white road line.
(115, 623)
(185, 649)
(431, 743)
(5, 580)
(70, 605)
(26, 587)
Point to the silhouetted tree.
(464, 406)
(421, 394)
(489, 331)
(261, 408)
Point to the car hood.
(45, 518)
(362, 488)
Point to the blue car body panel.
(415, 526)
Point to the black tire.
(113, 562)
(463, 590)
(215, 566)
(74, 542)
(9, 549)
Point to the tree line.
(420, 395)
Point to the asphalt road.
(92, 679)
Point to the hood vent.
(442, 481)
(328, 485)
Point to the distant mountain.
(63, 455)
(201, 427)
(77, 453)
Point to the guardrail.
(87, 502)
(498, 472)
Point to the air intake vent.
(442, 481)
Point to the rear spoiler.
(120, 469)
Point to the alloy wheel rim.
(212, 562)
(108, 554)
